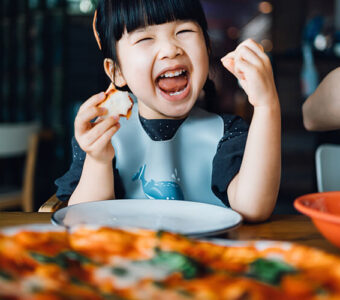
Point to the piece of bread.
(117, 103)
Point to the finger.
(256, 47)
(229, 55)
(228, 61)
(229, 64)
(99, 119)
(105, 138)
(243, 69)
(239, 73)
(253, 44)
(93, 101)
(247, 54)
(82, 121)
(99, 129)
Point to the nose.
(169, 49)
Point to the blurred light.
(233, 33)
(85, 6)
(265, 7)
(320, 42)
(267, 45)
(337, 50)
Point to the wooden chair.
(327, 160)
(18, 140)
(52, 205)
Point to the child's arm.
(96, 181)
(254, 189)
(321, 111)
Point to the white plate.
(185, 217)
(31, 228)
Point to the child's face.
(165, 67)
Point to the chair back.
(327, 159)
(14, 138)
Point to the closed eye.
(143, 40)
(185, 31)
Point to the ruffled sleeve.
(228, 158)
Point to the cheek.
(202, 63)
(134, 63)
(138, 80)
(205, 64)
(137, 68)
(205, 58)
(201, 54)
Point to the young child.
(169, 149)
(321, 111)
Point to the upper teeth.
(172, 74)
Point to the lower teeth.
(176, 93)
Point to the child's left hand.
(252, 67)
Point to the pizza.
(111, 263)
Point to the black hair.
(114, 16)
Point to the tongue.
(174, 84)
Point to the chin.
(165, 109)
(177, 113)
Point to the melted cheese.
(126, 273)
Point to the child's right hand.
(95, 137)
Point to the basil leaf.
(75, 256)
(160, 233)
(62, 259)
(185, 293)
(177, 262)
(118, 271)
(44, 259)
(269, 271)
(159, 285)
(6, 276)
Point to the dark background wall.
(50, 64)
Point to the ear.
(113, 72)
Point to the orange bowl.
(324, 210)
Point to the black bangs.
(114, 16)
(141, 13)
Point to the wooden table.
(291, 228)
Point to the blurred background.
(50, 64)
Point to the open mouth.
(173, 82)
